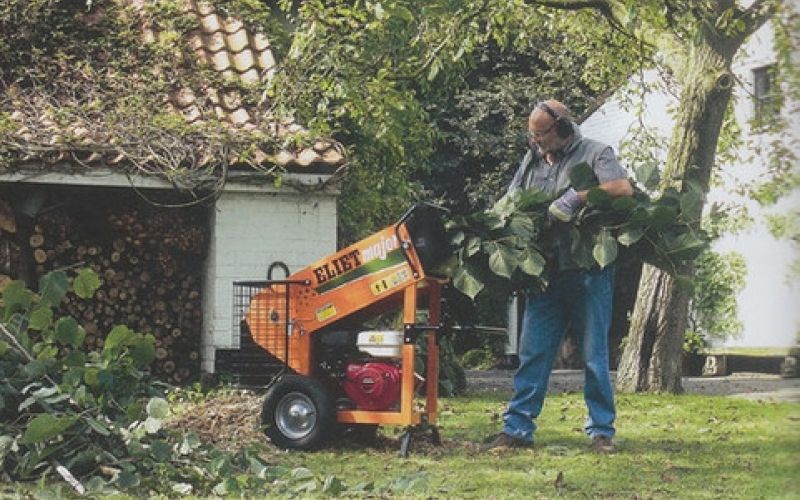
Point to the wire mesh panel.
(261, 312)
(243, 292)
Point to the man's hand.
(565, 207)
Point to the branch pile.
(514, 246)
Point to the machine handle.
(272, 267)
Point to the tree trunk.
(651, 360)
(652, 356)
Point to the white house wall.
(250, 231)
(768, 303)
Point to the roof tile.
(232, 50)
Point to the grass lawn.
(686, 446)
(668, 447)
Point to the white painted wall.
(249, 231)
(768, 305)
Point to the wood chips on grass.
(229, 421)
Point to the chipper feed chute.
(338, 370)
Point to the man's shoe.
(503, 441)
(602, 444)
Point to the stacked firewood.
(9, 249)
(149, 266)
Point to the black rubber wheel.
(298, 413)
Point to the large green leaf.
(35, 369)
(686, 246)
(119, 335)
(473, 246)
(581, 247)
(531, 262)
(582, 177)
(69, 332)
(75, 358)
(505, 206)
(86, 283)
(531, 200)
(648, 175)
(662, 216)
(605, 250)
(522, 226)
(16, 298)
(624, 203)
(158, 408)
(53, 287)
(503, 260)
(45, 427)
(630, 235)
(41, 317)
(467, 281)
(691, 203)
(143, 351)
(489, 220)
(598, 198)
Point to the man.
(578, 297)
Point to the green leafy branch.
(513, 245)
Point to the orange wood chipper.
(341, 371)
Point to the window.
(766, 96)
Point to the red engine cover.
(372, 386)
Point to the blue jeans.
(584, 299)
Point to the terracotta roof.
(237, 54)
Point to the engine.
(366, 365)
(372, 386)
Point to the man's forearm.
(615, 189)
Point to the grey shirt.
(534, 172)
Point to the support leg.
(405, 442)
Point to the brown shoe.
(503, 441)
(603, 444)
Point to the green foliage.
(58, 403)
(420, 90)
(452, 380)
(693, 342)
(480, 358)
(787, 226)
(99, 415)
(717, 281)
(513, 245)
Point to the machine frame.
(383, 272)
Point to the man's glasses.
(538, 135)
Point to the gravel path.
(748, 385)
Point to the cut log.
(39, 256)
(36, 240)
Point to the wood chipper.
(342, 372)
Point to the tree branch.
(757, 14)
(602, 6)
